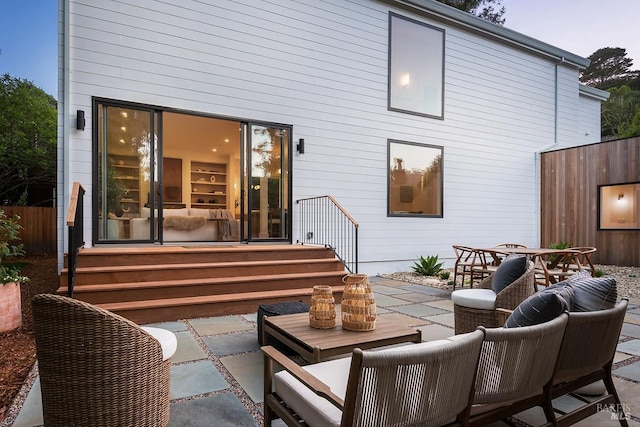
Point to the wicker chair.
(477, 307)
(516, 367)
(97, 368)
(426, 384)
(586, 356)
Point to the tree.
(633, 128)
(618, 112)
(28, 126)
(609, 68)
(490, 10)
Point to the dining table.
(551, 265)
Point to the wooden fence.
(38, 235)
(569, 197)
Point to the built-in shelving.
(208, 185)
(127, 172)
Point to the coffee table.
(314, 345)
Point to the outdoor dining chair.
(97, 368)
(466, 259)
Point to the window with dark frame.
(416, 67)
(618, 206)
(415, 179)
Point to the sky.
(28, 31)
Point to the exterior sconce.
(300, 146)
(80, 122)
(620, 196)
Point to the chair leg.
(611, 389)
(547, 406)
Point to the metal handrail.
(323, 221)
(75, 226)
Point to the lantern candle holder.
(358, 305)
(322, 313)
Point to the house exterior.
(425, 123)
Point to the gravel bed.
(627, 279)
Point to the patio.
(216, 378)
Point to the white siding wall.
(321, 66)
(589, 124)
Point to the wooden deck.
(161, 283)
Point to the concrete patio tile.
(632, 317)
(443, 304)
(630, 347)
(382, 310)
(251, 317)
(404, 319)
(435, 332)
(219, 325)
(419, 310)
(417, 297)
(388, 301)
(247, 369)
(31, 412)
(375, 280)
(629, 330)
(566, 404)
(196, 378)
(188, 349)
(619, 357)
(177, 326)
(388, 290)
(223, 345)
(443, 293)
(443, 319)
(224, 410)
(631, 371)
(629, 396)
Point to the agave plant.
(427, 266)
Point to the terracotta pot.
(10, 307)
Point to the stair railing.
(75, 226)
(324, 222)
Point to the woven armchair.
(426, 384)
(468, 315)
(97, 368)
(516, 367)
(586, 356)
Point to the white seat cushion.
(315, 410)
(167, 340)
(482, 299)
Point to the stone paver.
(192, 379)
(219, 325)
(241, 342)
(247, 369)
(224, 410)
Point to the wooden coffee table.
(314, 345)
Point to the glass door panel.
(268, 182)
(125, 174)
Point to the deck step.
(164, 289)
(206, 306)
(155, 284)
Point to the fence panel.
(39, 228)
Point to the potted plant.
(10, 302)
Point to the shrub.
(444, 275)
(9, 233)
(427, 267)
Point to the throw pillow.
(509, 270)
(540, 307)
(594, 293)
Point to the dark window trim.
(415, 113)
(418, 144)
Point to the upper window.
(619, 205)
(415, 179)
(416, 67)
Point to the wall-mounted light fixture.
(620, 196)
(80, 122)
(300, 146)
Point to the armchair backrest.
(97, 368)
(517, 362)
(590, 341)
(411, 385)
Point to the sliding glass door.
(126, 172)
(267, 182)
